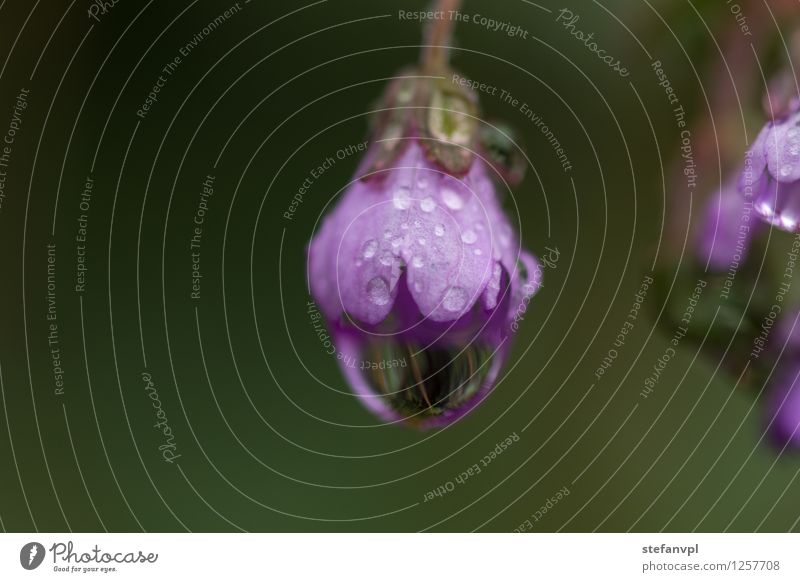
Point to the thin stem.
(437, 36)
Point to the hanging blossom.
(771, 180)
(417, 262)
(771, 174)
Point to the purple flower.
(417, 268)
(784, 392)
(726, 229)
(784, 406)
(771, 177)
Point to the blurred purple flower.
(771, 177)
(419, 272)
(726, 229)
(783, 408)
(784, 405)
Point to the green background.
(269, 437)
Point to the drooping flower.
(771, 177)
(417, 268)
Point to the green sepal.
(448, 123)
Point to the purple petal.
(778, 203)
(755, 161)
(446, 233)
(784, 406)
(783, 150)
(726, 229)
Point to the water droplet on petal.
(505, 235)
(455, 299)
(428, 205)
(786, 170)
(493, 287)
(369, 249)
(438, 230)
(386, 258)
(478, 252)
(401, 198)
(497, 272)
(417, 262)
(378, 291)
(397, 242)
(422, 182)
(496, 253)
(387, 234)
(787, 223)
(451, 199)
(479, 226)
(469, 237)
(765, 209)
(422, 242)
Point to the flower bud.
(417, 268)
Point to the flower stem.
(435, 55)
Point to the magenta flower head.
(783, 406)
(771, 177)
(417, 268)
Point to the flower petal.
(445, 232)
(779, 203)
(783, 150)
(756, 160)
(784, 406)
(724, 231)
